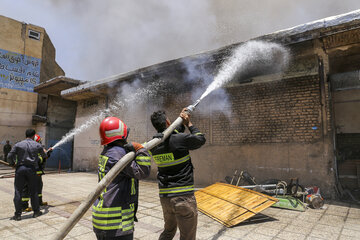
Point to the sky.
(97, 39)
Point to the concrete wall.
(16, 112)
(14, 37)
(17, 107)
(87, 146)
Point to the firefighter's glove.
(49, 151)
(132, 147)
(137, 146)
(158, 135)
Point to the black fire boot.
(37, 214)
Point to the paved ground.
(65, 191)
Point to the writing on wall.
(18, 71)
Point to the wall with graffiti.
(18, 71)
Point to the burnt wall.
(275, 112)
(272, 129)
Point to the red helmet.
(37, 138)
(111, 129)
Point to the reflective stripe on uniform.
(142, 160)
(102, 164)
(133, 189)
(176, 189)
(125, 226)
(25, 199)
(167, 159)
(199, 133)
(103, 218)
(39, 172)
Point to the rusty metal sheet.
(229, 204)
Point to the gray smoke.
(97, 39)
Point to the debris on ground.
(231, 205)
(290, 195)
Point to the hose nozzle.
(192, 107)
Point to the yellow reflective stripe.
(199, 133)
(25, 199)
(129, 227)
(100, 203)
(143, 158)
(38, 172)
(177, 189)
(120, 226)
(176, 131)
(39, 195)
(145, 161)
(106, 215)
(108, 221)
(133, 190)
(102, 163)
(175, 162)
(40, 157)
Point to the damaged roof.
(304, 32)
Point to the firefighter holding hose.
(114, 210)
(39, 172)
(176, 177)
(24, 156)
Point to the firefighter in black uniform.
(39, 172)
(114, 211)
(24, 155)
(176, 177)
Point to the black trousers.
(126, 237)
(26, 192)
(26, 174)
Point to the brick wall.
(286, 111)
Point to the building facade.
(27, 58)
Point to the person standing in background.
(6, 149)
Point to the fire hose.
(5, 163)
(109, 177)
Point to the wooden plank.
(229, 204)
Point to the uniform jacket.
(27, 153)
(175, 170)
(114, 211)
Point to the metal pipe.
(260, 186)
(109, 177)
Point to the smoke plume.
(97, 39)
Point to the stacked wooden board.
(229, 204)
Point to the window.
(34, 34)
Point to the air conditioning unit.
(34, 34)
